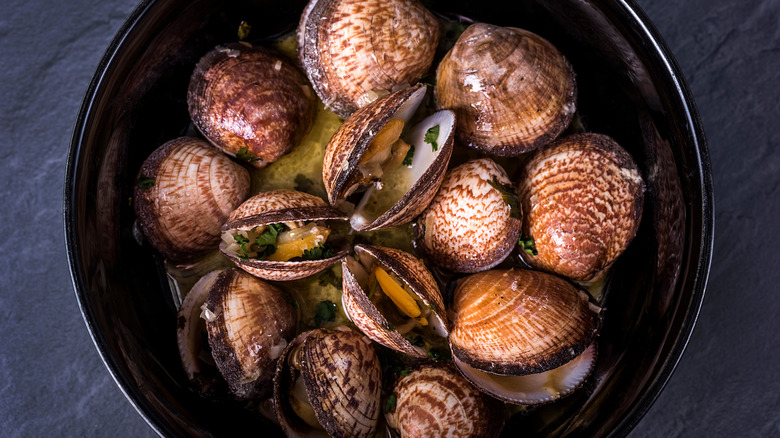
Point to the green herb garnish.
(431, 135)
(270, 235)
(409, 155)
(390, 403)
(245, 154)
(145, 182)
(242, 241)
(528, 245)
(416, 341)
(405, 371)
(509, 197)
(243, 30)
(321, 251)
(326, 312)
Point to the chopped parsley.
(321, 251)
(390, 403)
(528, 245)
(409, 155)
(242, 241)
(145, 182)
(270, 235)
(509, 197)
(326, 312)
(245, 154)
(431, 135)
(405, 372)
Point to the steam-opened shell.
(473, 223)
(249, 323)
(519, 322)
(300, 227)
(414, 306)
(405, 181)
(355, 51)
(338, 376)
(583, 200)
(184, 192)
(250, 102)
(511, 89)
(436, 401)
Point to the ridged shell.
(511, 90)
(583, 200)
(350, 142)
(343, 381)
(194, 187)
(517, 322)
(247, 97)
(468, 227)
(364, 313)
(249, 323)
(436, 401)
(281, 206)
(353, 50)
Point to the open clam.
(355, 51)
(511, 89)
(401, 167)
(328, 382)
(184, 192)
(392, 297)
(583, 200)
(283, 235)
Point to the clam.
(250, 102)
(511, 90)
(184, 192)
(583, 202)
(473, 223)
(401, 167)
(328, 381)
(283, 235)
(520, 323)
(392, 297)
(436, 401)
(355, 51)
(249, 324)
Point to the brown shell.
(468, 227)
(511, 89)
(251, 324)
(343, 380)
(194, 189)
(519, 322)
(364, 313)
(354, 49)
(436, 401)
(282, 206)
(244, 97)
(583, 200)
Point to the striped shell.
(249, 323)
(250, 102)
(194, 187)
(354, 51)
(468, 227)
(281, 206)
(517, 322)
(364, 314)
(583, 201)
(435, 401)
(343, 380)
(511, 90)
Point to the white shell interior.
(189, 336)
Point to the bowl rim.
(681, 92)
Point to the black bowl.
(630, 88)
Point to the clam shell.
(281, 206)
(249, 324)
(343, 381)
(511, 90)
(364, 314)
(194, 189)
(436, 401)
(583, 200)
(468, 227)
(353, 51)
(517, 322)
(189, 329)
(244, 97)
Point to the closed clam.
(250, 102)
(249, 324)
(399, 167)
(473, 223)
(328, 381)
(392, 297)
(184, 192)
(583, 200)
(283, 235)
(355, 51)
(436, 401)
(511, 90)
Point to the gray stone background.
(52, 382)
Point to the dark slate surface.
(52, 381)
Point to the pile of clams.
(442, 277)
